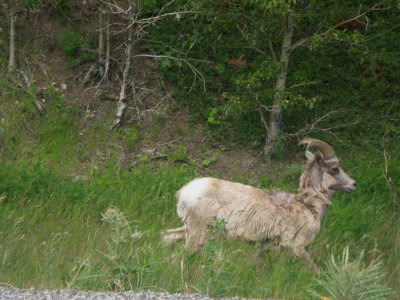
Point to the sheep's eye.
(335, 170)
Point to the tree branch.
(271, 48)
(314, 125)
(303, 84)
(196, 72)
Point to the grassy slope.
(53, 234)
(53, 237)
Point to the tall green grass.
(54, 232)
(48, 221)
(54, 235)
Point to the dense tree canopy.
(343, 56)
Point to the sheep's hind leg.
(172, 236)
(195, 237)
(261, 247)
(302, 252)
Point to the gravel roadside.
(7, 293)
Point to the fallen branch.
(87, 76)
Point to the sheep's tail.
(172, 236)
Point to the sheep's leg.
(195, 237)
(180, 229)
(172, 236)
(260, 246)
(263, 247)
(302, 252)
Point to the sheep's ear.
(310, 156)
(319, 158)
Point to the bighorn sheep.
(256, 215)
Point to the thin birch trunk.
(275, 121)
(101, 40)
(107, 62)
(121, 106)
(11, 58)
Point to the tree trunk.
(108, 49)
(101, 40)
(11, 58)
(275, 121)
(122, 95)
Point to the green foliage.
(218, 225)
(57, 5)
(344, 68)
(180, 154)
(279, 146)
(290, 174)
(209, 161)
(212, 117)
(348, 280)
(216, 271)
(149, 7)
(132, 136)
(30, 3)
(74, 46)
(124, 260)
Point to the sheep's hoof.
(317, 270)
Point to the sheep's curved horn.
(325, 149)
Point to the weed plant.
(347, 280)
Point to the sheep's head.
(323, 169)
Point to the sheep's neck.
(312, 192)
(316, 201)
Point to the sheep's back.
(250, 213)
